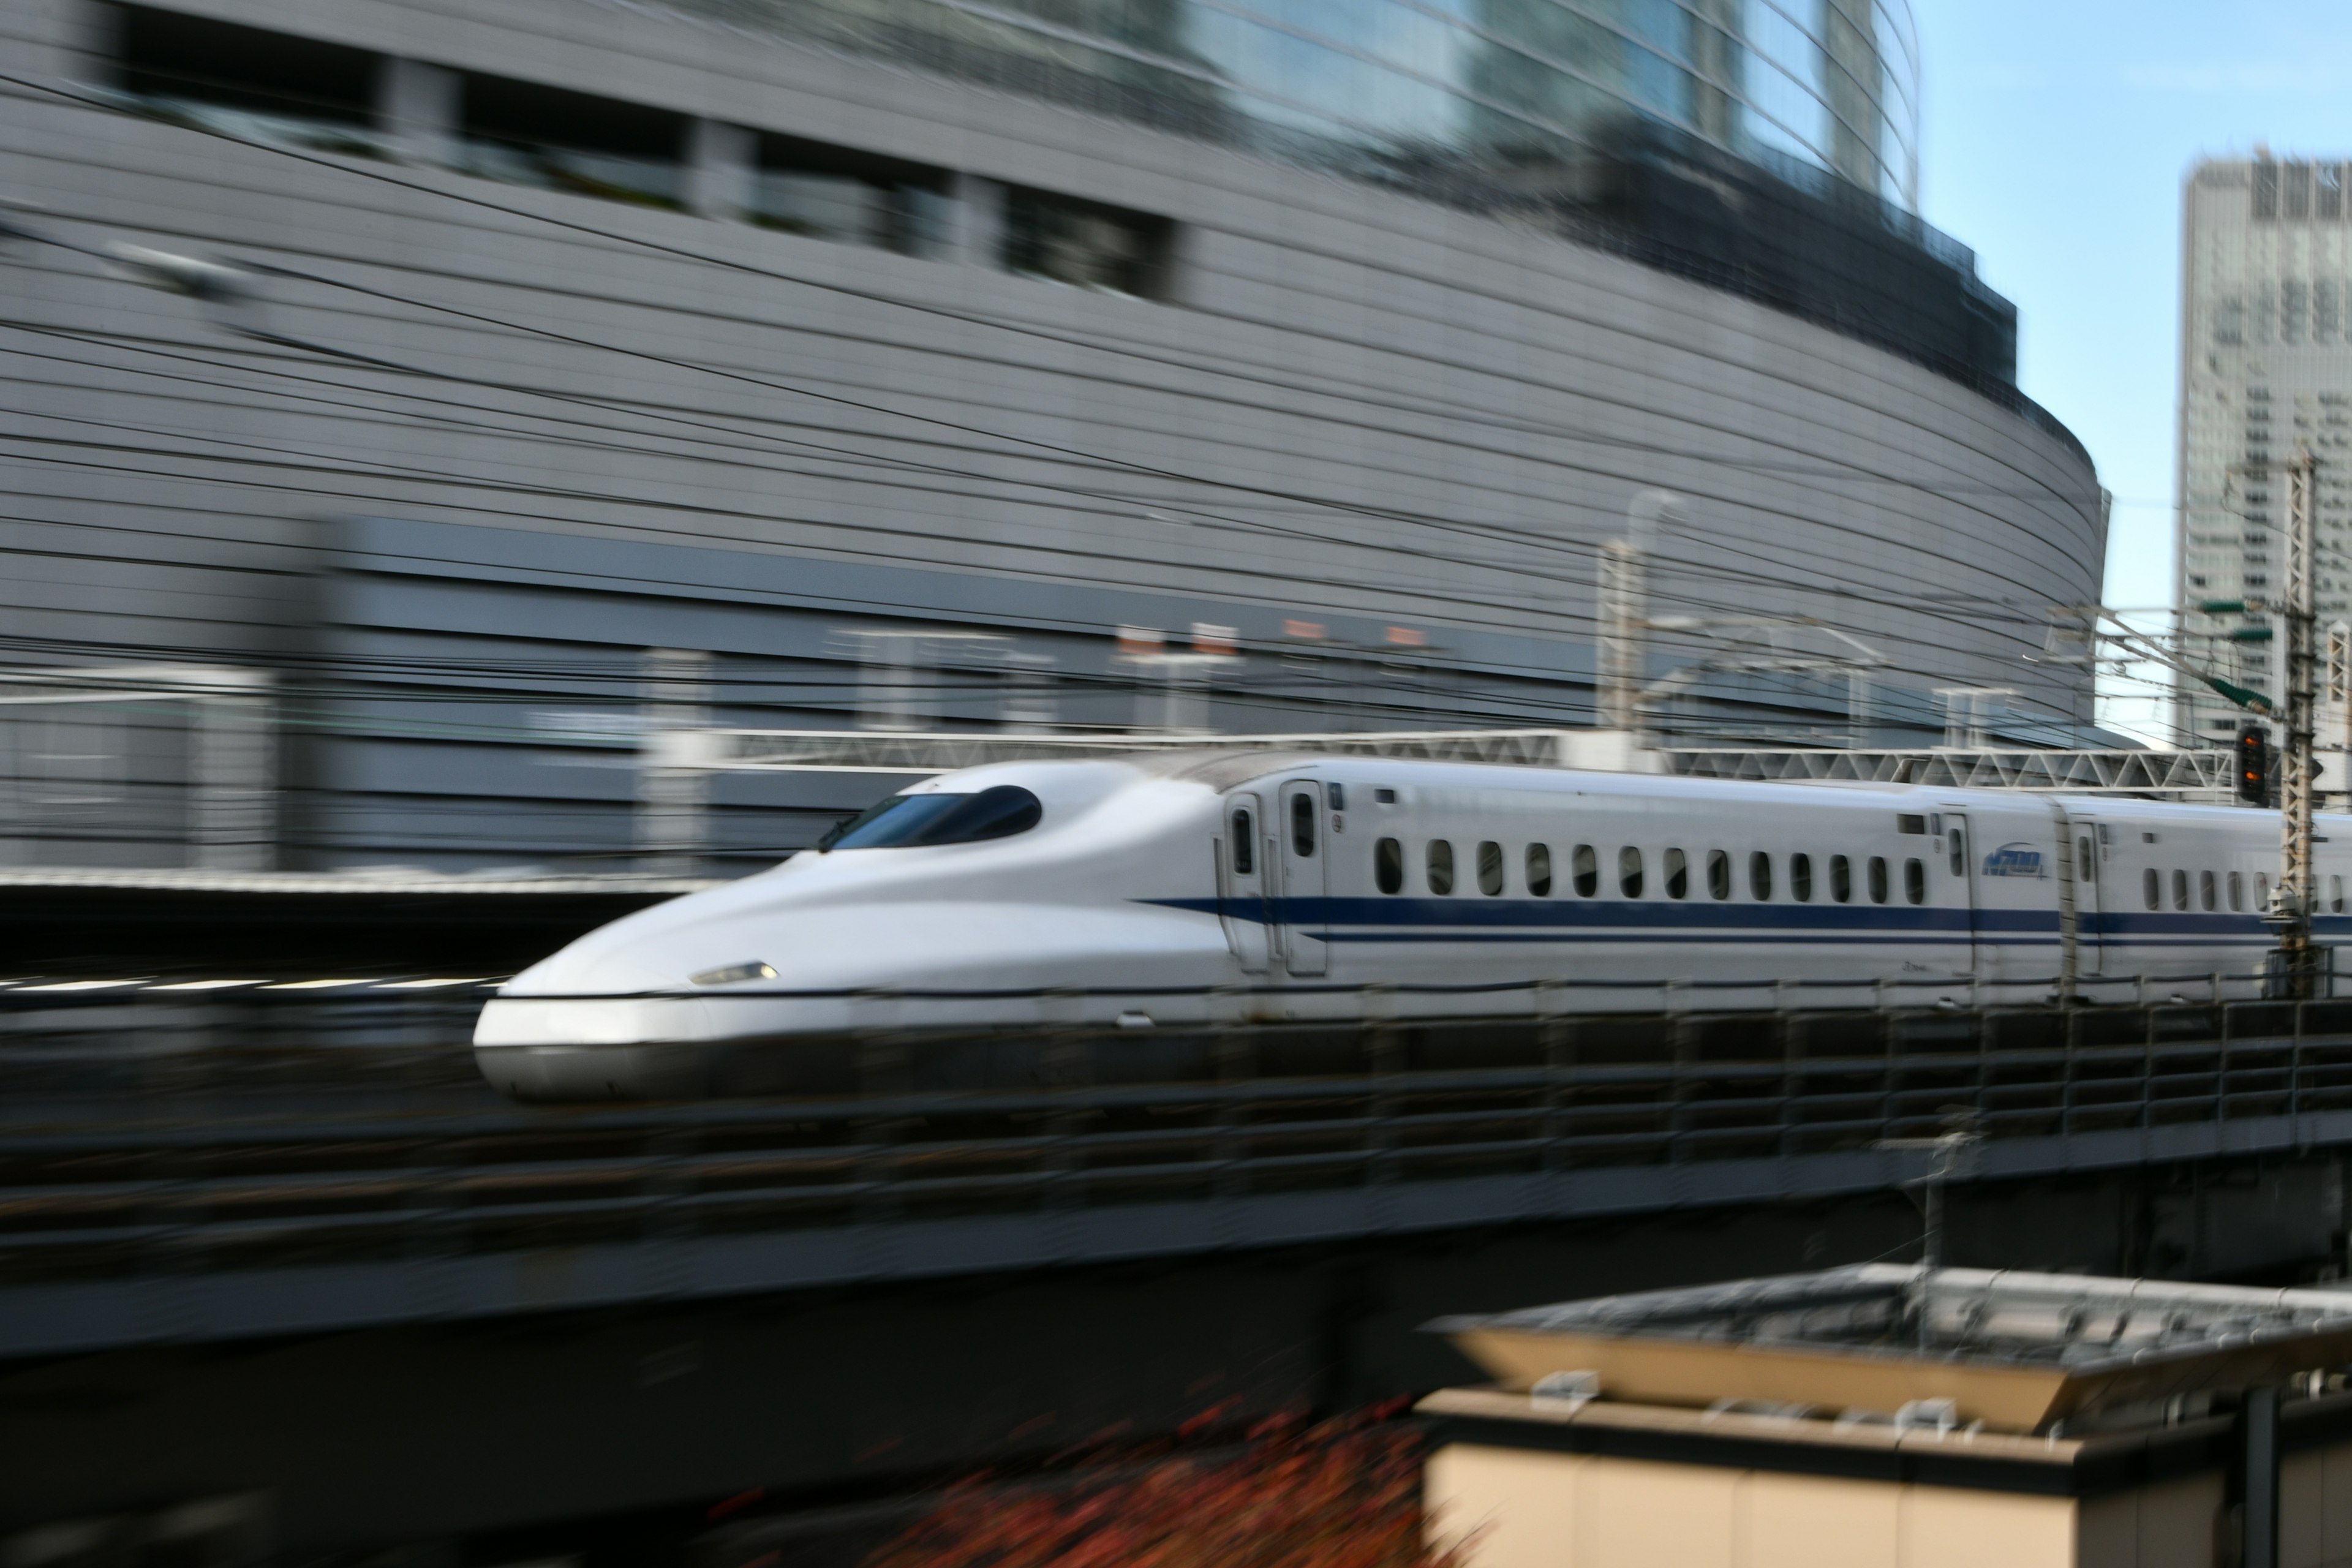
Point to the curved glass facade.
(1415, 90)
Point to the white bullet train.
(1157, 892)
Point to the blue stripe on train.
(1534, 920)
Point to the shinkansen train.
(1148, 893)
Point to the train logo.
(2013, 860)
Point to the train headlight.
(734, 974)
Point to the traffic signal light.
(2253, 764)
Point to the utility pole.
(2297, 893)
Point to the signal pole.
(2298, 890)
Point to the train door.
(2090, 896)
(1304, 858)
(1241, 893)
(1962, 863)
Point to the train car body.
(1151, 892)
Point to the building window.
(832, 193)
(243, 82)
(1085, 245)
(526, 134)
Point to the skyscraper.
(2265, 368)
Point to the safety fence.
(175, 1133)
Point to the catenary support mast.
(2299, 618)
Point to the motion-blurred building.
(595, 369)
(2265, 368)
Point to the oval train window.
(1801, 877)
(1439, 867)
(1244, 845)
(1587, 866)
(2335, 895)
(1490, 868)
(1915, 882)
(1877, 879)
(1677, 875)
(2150, 887)
(2205, 891)
(1629, 872)
(1388, 866)
(2180, 890)
(2238, 891)
(1760, 877)
(1718, 875)
(1540, 870)
(1840, 880)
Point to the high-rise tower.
(2265, 363)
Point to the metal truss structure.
(2176, 775)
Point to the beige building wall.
(1513, 1508)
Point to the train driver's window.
(1302, 825)
(1439, 867)
(1915, 882)
(1629, 872)
(2150, 887)
(1388, 866)
(1718, 874)
(1760, 877)
(1840, 880)
(1490, 868)
(1244, 845)
(2335, 895)
(2237, 891)
(1877, 879)
(2180, 890)
(2205, 891)
(1801, 877)
(1677, 878)
(1540, 870)
(1587, 868)
(2086, 864)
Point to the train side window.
(1490, 868)
(1540, 870)
(1840, 880)
(1915, 882)
(1760, 877)
(1959, 852)
(2180, 890)
(1388, 866)
(2151, 889)
(1677, 875)
(1439, 867)
(1718, 875)
(1878, 879)
(2238, 891)
(1587, 868)
(1801, 877)
(1244, 845)
(1629, 872)
(1302, 825)
(2335, 895)
(2262, 889)
(2205, 892)
(2086, 864)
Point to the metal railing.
(259, 1130)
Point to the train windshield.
(909, 821)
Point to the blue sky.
(2056, 136)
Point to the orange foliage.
(1338, 1494)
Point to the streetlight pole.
(2298, 891)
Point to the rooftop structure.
(1903, 1416)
